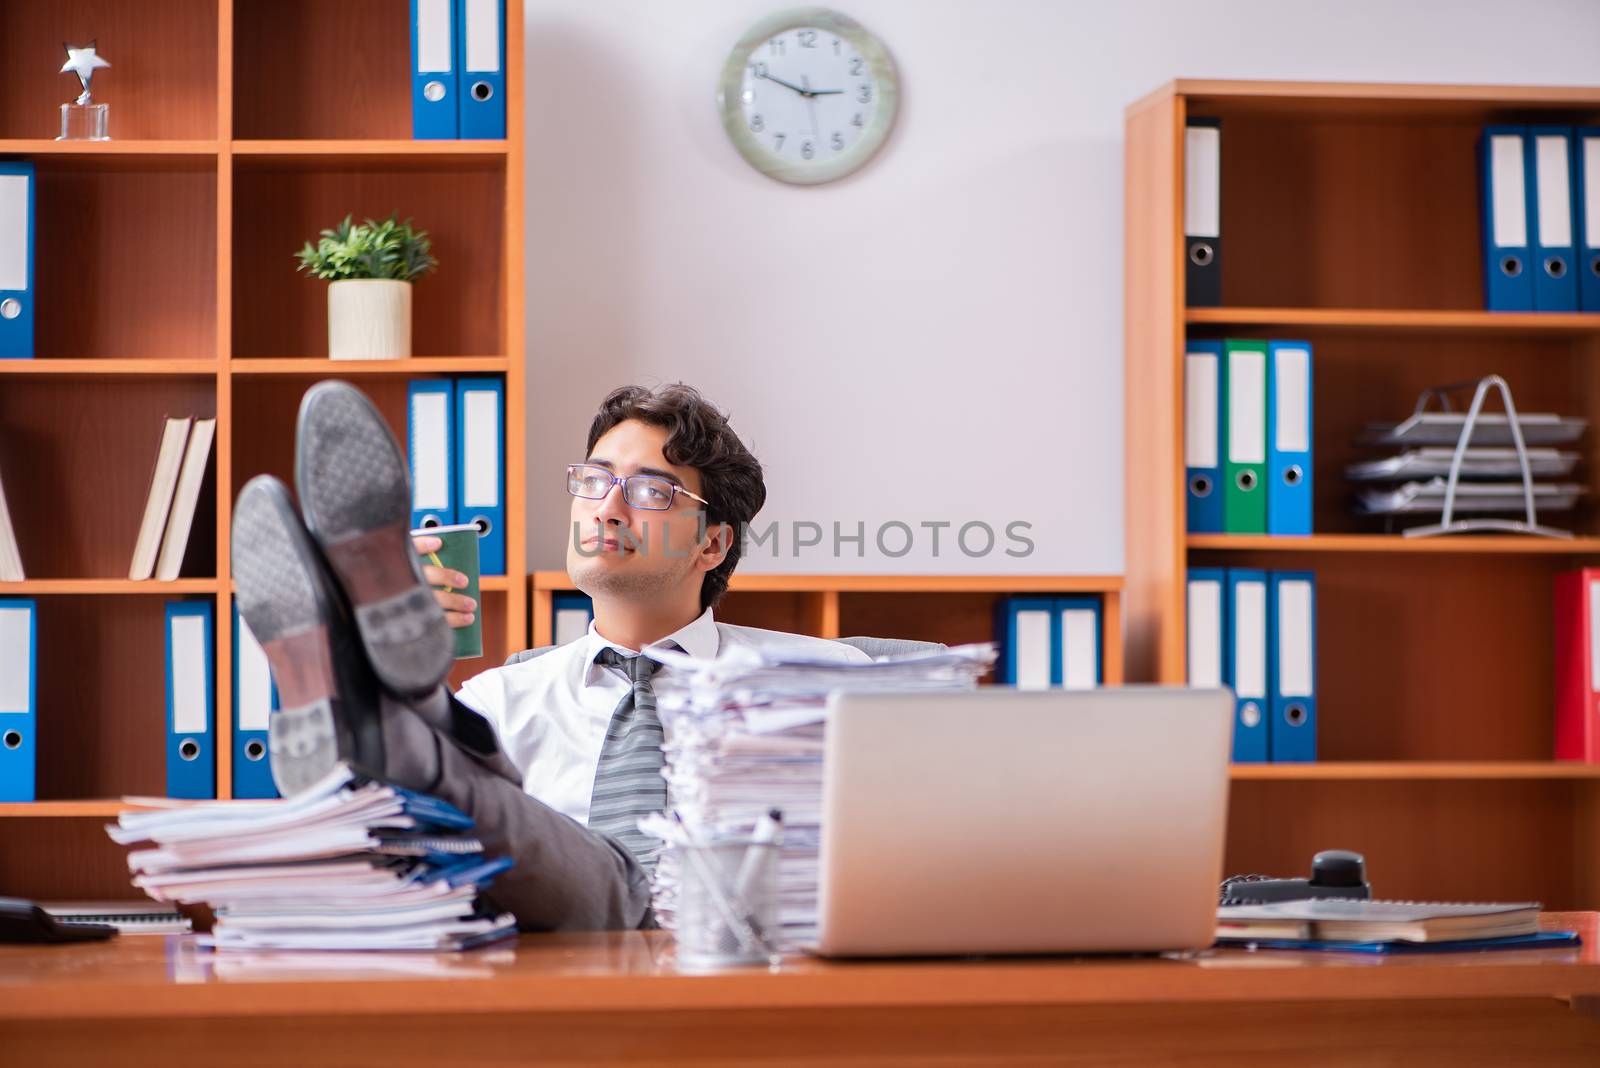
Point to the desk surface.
(154, 977)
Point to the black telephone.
(23, 922)
(1334, 873)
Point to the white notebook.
(10, 557)
(163, 481)
(190, 477)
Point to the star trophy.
(84, 120)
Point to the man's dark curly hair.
(698, 436)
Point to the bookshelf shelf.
(1415, 770)
(769, 583)
(1381, 320)
(952, 609)
(1478, 545)
(165, 263)
(313, 365)
(92, 809)
(315, 149)
(1352, 221)
(108, 587)
(126, 151)
(67, 367)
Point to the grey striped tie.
(628, 781)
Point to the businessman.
(556, 757)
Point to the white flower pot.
(369, 319)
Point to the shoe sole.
(356, 497)
(288, 612)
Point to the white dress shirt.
(551, 712)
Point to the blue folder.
(1555, 278)
(1586, 198)
(255, 697)
(568, 610)
(1505, 173)
(1206, 611)
(1292, 666)
(481, 59)
(1028, 631)
(434, 82)
(19, 698)
(480, 438)
(1248, 663)
(191, 723)
(17, 181)
(1289, 437)
(1076, 629)
(430, 450)
(1539, 940)
(1203, 369)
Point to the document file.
(19, 659)
(1208, 628)
(571, 614)
(1504, 168)
(1555, 282)
(16, 259)
(254, 699)
(430, 416)
(1289, 438)
(191, 734)
(1202, 436)
(1248, 663)
(1577, 665)
(1586, 194)
(1244, 493)
(1293, 733)
(1202, 212)
(482, 61)
(433, 70)
(1028, 643)
(480, 456)
(1077, 636)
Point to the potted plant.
(370, 267)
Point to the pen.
(768, 833)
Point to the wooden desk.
(614, 998)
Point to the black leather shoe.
(329, 700)
(355, 496)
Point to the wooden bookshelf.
(167, 286)
(952, 609)
(1350, 220)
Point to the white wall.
(938, 336)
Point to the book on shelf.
(158, 504)
(190, 477)
(10, 557)
(1354, 920)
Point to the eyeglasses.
(650, 492)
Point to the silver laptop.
(1005, 821)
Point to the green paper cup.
(460, 553)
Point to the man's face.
(617, 550)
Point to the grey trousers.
(566, 877)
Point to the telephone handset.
(1334, 873)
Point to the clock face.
(808, 96)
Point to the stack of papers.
(1427, 497)
(746, 734)
(351, 863)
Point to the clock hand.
(811, 105)
(798, 89)
(786, 85)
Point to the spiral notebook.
(1352, 920)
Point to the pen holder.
(727, 903)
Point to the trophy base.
(85, 122)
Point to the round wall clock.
(808, 95)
